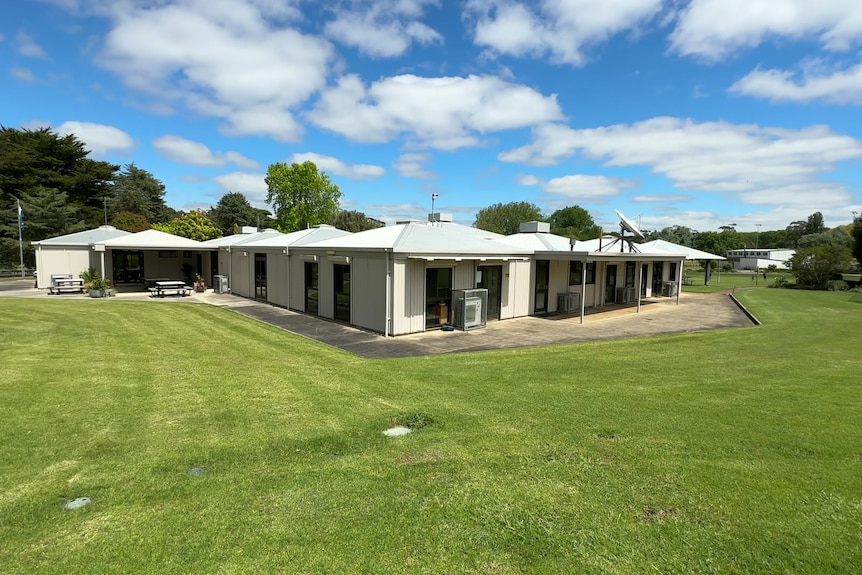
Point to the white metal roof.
(298, 238)
(154, 240)
(85, 238)
(240, 238)
(439, 238)
(670, 247)
(537, 241)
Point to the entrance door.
(644, 273)
(312, 291)
(342, 292)
(128, 266)
(657, 270)
(543, 271)
(491, 278)
(260, 276)
(610, 283)
(438, 296)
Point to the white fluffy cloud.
(715, 28)
(810, 83)
(28, 47)
(339, 167)
(253, 186)
(760, 165)
(23, 74)
(99, 138)
(580, 186)
(221, 58)
(560, 29)
(413, 166)
(382, 28)
(444, 113)
(186, 151)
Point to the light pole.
(757, 236)
(433, 217)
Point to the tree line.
(62, 191)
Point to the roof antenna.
(433, 217)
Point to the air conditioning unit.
(626, 294)
(221, 284)
(568, 302)
(669, 289)
(469, 308)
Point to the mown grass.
(733, 451)
(725, 280)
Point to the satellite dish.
(628, 225)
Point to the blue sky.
(676, 112)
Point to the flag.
(20, 217)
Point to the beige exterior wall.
(326, 282)
(558, 282)
(517, 289)
(68, 260)
(408, 296)
(241, 268)
(277, 281)
(296, 282)
(368, 291)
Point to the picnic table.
(66, 285)
(160, 288)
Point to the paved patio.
(696, 312)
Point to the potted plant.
(99, 286)
(200, 284)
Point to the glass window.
(630, 274)
(575, 270)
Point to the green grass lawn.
(729, 280)
(732, 451)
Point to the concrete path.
(696, 312)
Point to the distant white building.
(759, 259)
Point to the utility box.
(669, 289)
(221, 284)
(568, 302)
(626, 294)
(469, 308)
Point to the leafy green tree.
(815, 266)
(130, 222)
(47, 213)
(814, 224)
(301, 195)
(857, 238)
(834, 237)
(138, 191)
(194, 225)
(233, 211)
(506, 219)
(54, 179)
(680, 235)
(354, 221)
(574, 222)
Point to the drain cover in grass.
(197, 471)
(397, 431)
(76, 503)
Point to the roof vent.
(248, 230)
(535, 228)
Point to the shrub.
(780, 282)
(837, 285)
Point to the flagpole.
(20, 239)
